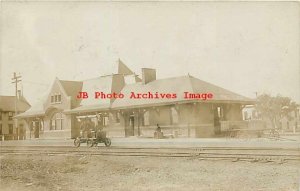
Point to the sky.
(245, 47)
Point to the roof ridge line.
(191, 83)
(69, 80)
(224, 89)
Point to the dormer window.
(56, 98)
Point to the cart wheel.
(107, 142)
(77, 142)
(274, 134)
(89, 143)
(232, 134)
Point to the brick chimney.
(148, 75)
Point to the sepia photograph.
(149, 95)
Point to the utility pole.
(15, 80)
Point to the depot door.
(131, 126)
(36, 129)
(218, 113)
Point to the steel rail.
(167, 148)
(113, 152)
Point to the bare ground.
(27, 172)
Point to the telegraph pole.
(15, 80)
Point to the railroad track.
(222, 153)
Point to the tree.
(275, 108)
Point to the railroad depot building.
(9, 130)
(62, 113)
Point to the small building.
(287, 123)
(291, 122)
(9, 128)
(62, 113)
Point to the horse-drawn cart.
(99, 137)
(91, 134)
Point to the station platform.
(285, 142)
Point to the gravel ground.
(74, 173)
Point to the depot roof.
(7, 103)
(176, 85)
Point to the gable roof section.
(175, 85)
(7, 103)
(100, 84)
(35, 111)
(72, 88)
(123, 69)
(219, 93)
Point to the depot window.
(57, 121)
(117, 117)
(10, 115)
